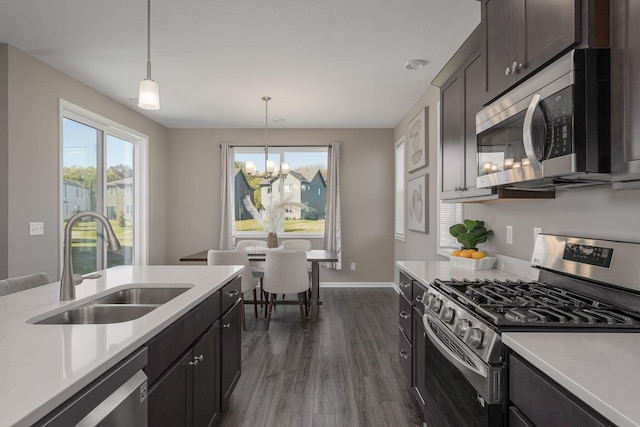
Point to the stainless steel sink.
(95, 314)
(119, 306)
(141, 296)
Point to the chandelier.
(271, 172)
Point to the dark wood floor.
(343, 371)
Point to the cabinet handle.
(515, 67)
(404, 315)
(403, 353)
(507, 71)
(227, 325)
(404, 285)
(233, 293)
(419, 299)
(196, 359)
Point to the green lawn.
(83, 246)
(290, 225)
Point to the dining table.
(314, 257)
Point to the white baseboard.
(357, 285)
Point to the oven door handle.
(527, 133)
(479, 369)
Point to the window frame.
(400, 187)
(107, 126)
(281, 151)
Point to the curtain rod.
(280, 146)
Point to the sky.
(80, 146)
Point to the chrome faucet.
(68, 281)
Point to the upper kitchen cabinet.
(625, 93)
(460, 99)
(520, 36)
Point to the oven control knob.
(426, 300)
(463, 327)
(448, 315)
(475, 338)
(436, 305)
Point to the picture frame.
(418, 156)
(418, 204)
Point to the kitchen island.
(41, 366)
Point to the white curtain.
(226, 196)
(332, 233)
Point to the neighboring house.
(76, 198)
(120, 199)
(242, 189)
(306, 186)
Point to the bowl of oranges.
(471, 259)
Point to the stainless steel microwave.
(552, 129)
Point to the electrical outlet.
(509, 235)
(36, 228)
(353, 266)
(536, 231)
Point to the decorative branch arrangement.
(272, 217)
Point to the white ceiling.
(325, 63)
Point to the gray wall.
(32, 176)
(4, 161)
(367, 172)
(421, 246)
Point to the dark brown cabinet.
(231, 327)
(405, 323)
(194, 364)
(461, 98)
(522, 35)
(625, 93)
(537, 400)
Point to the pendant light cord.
(148, 39)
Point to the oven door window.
(449, 399)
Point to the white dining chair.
(21, 283)
(296, 245)
(248, 282)
(285, 272)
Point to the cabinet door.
(550, 28)
(473, 97)
(169, 398)
(206, 378)
(625, 88)
(419, 385)
(499, 19)
(452, 134)
(231, 328)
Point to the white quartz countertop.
(599, 368)
(427, 271)
(41, 366)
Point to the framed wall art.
(417, 146)
(417, 204)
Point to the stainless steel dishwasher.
(117, 398)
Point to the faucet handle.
(79, 278)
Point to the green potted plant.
(471, 233)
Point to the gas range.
(571, 294)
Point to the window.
(104, 162)
(306, 213)
(400, 203)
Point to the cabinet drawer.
(231, 294)
(418, 293)
(545, 403)
(405, 286)
(167, 346)
(406, 356)
(404, 315)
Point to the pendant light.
(270, 170)
(149, 92)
